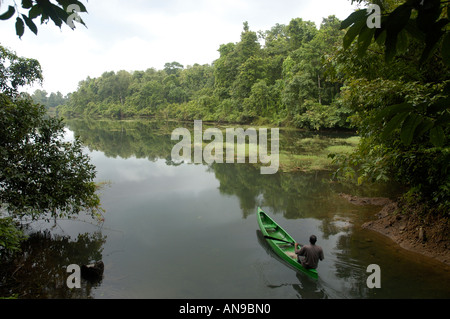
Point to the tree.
(252, 70)
(173, 67)
(300, 32)
(398, 85)
(40, 96)
(55, 99)
(17, 72)
(64, 11)
(40, 174)
(305, 74)
(248, 46)
(226, 69)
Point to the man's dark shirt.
(312, 254)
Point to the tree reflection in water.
(40, 269)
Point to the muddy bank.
(429, 236)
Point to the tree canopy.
(278, 76)
(397, 83)
(41, 174)
(390, 82)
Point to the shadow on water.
(306, 287)
(40, 269)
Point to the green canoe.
(285, 251)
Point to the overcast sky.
(140, 34)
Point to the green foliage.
(427, 21)
(17, 71)
(397, 84)
(265, 77)
(64, 11)
(41, 175)
(317, 116)
(415, 121)
(10, 236)
(50, 102)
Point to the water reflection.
(301, 192)
(155, 207)
(40, 270)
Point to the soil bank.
(429, 236)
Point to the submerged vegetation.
(299, 150)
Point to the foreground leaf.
(8, 14)
(20, 27)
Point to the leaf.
(438, 106)
(62, 14)
(437, 136)
(49, 10)
(395, 23)
(443, 119)
(432, 38)
(398, 19)
(414, 31)
(35, 11)
(82, 7)
(428, 14)
(380, 36)
(445, 50)
(360, 180)
(393, 124)
(402, 42)
(354, 17)
(391, 47)
(8, 14)
(20, 27)
(408, 128)
(27, 4)
(389, 111)
(423, 127)
(351, 33)
(30, 24)
(364, 39)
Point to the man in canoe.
(312, 253)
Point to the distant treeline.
(282, 76)
(49, 101)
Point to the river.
(187, 230)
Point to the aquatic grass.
(353, 140)
(311, 153)
(307, 154)
(306, 163)
(340, 149)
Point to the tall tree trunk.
(318, 85)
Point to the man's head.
(312, 239)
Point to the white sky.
(140, 34)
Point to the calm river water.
(190, 231)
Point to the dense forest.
(283, 76)
(391, 84)
(51, 100)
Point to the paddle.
(274, 238)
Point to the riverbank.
(428, 236)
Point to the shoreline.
(426, 237)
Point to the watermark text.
(214, 151)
